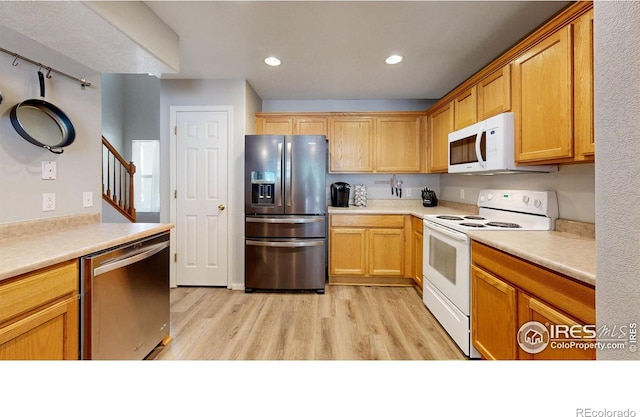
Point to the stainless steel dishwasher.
(125, 300)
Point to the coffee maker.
(340, 194)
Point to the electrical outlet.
(49, 170)
(462, 193)
(48, 202)
(408, 191)
(87, 199)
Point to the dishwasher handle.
(152, 250)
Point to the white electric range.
(447, 251)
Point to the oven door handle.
(446, 231)
(293, 244)
(481, 161)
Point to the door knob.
(221, 207)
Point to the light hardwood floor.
(347, 322)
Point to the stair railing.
(117, 181)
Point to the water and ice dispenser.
(263, 188)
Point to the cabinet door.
(386, 252)
(310, 126)
(543, 100)
(398, 144)
(440, 125)
(493, 316)
(417, 243)
(351, 144)
(585, 146)
(348, 251)
(494, 93)
(532, 309)
(48, 334)
(274, 125)
(465, 109)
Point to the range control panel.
(543, 203)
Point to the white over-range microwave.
(487, 147)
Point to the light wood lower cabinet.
(508, 292)
(493, 321)
(369, 249)
(416, 250)
(39, 314)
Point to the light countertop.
(19, 255)
(396, 206)
(565, 253)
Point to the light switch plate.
(49, 170)
(87, 199)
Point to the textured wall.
(21, 186)
(617, 123)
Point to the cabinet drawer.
(27, 292)
(367, 220)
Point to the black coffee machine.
(340, 194)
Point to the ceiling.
(330, 50)
(336, 49)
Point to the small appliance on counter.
(429, 198)
(340, 194)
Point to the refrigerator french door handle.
(292, 244)
(279, 177)
(287, 174)
(285, 220)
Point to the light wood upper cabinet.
(351, 144)
(440, 125)
(310, 126)
(39, 315)
(291, 125)
(585, 146)
(546, 80)
(494, 93)
(543, 100)
(465, 107)
(274, 125)
(359, 142)
(398, 144)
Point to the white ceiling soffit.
(127, 38)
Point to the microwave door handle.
(482, 163)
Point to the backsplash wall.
(411, 184)
(573, 184)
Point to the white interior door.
(201, 218)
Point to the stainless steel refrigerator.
(285, 212)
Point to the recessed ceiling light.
(272, 60)
(393, 59)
